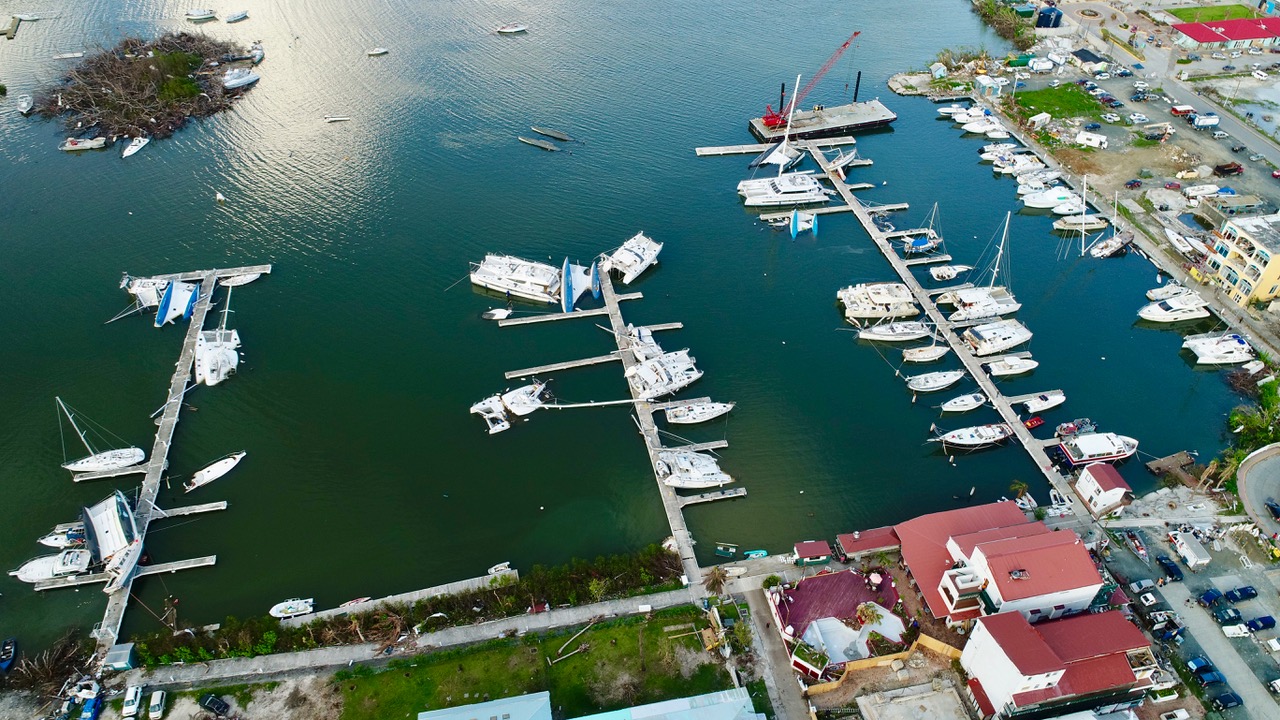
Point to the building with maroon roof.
(989, 559)
(1092, 661)
(1102, 490)
(812, 552)
(860, 543)
(1228, 34)
(816, 618)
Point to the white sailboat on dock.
(934, 381)
(964, 403)
(896, 331)
(973, 438)
(992, 301)
(97, 461)
(694, 413)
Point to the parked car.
(1220, 135)
(1140, 85)
(1218, 56)
(1133, 184)
(1102, 76)
(1111, 118)
(1193, 57)
(1115, 104)
(1096, 91)
(1227, 700)
(1272, 505)
(1227, 616)
(1019, 84)
(1021, 76)
(1235, 149)
(1209, 598)
(1236, 54)
(1199, 664)
(1138, 118)
(1266, 622)
(1211, 678)
(1054, 83)
(1245, 592)
(1255, 51)
(91, 709)
(155, 708)
(1235, 631)
(1141, 586)
(1123, 72)
(132, 701)
(1275, 173)
(1229, 68)
(1093, 126)
(1148, 599)
(1227, 169)
(1170, 568)
(1173, 185)
(215, 704)
(1138, 97)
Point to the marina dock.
(972, 364)
(712, 496)
(548, 317)
(107, 632)
(105, 474)
(756, 149)
(566, 365)
(143, 570)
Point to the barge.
(821, 121)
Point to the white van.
(132, 701)
(155, 709)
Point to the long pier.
(101, 577)
(508, 576)
(105, 474)
(973, 364)
(548, 317)
(566, 365)
(108, 630)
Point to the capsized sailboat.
(97, 461)
(178, 301)
(213, 471)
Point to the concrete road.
(777, 661)
(1258, 702)
(1258, 484)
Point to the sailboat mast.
(79, 432)
(1084, 207)
(995, 267)
(787, 133)
(226, 309)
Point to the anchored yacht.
(1219, 348)
(1187, 306)
(1097, 447)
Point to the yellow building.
(1242, 262)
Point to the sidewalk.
(784, 689)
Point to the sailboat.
(213, 471)
(785, 188)
(1082, 223)
(927, 242)
(178, 301)
(992, 301)
(216, 356)
(97, 461)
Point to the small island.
(148, 88)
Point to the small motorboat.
(964, 403)
(8, 653)
(77, 144)
(694, 413)
(64, 535)
(256, 53)
(496, 314)
(198, 15)
(376, 52)
(1045, 401)
(239, 77)
(49, 567)
(336, 118)
(934, 381)
(219, 197)
(134, 146)
(214, 470)
(500, 568)
(1166, 291)
(357, 601)
(755, 554)
(549, 147)
(926, 354)
(292, 607)
(494, 414)
(1033, 422)
(1075, 427)
(1011, 366)
(554, 134)
(25, 103)
(237, 16)
(948, 272)
(513, 28)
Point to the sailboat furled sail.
(97, 461)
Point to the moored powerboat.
(1219, 348)
(1166, 291)
(64, 535)
(292, 607)
(77, 144)
(1007, 366)
(239, 77)
(1079, 426)
(964, 403)
(525, 399)
(1088, 448)
(135, 145)
(1045, 401)
(49, 567)
(1188, 306)
(1080, 223)
(1050, 198)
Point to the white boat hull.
(978, 436)
(933, 382)
(964, 403)
(1047, 401)
(107, 460)
(925, 354)
(1012, 366)
(214, 471)
(696, 412)
(292, 608)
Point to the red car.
(1175, 185)
(1275, 173)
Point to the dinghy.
(64, 535)
(376, 52)
(513, 28)
(496, 314)
(198, 15)
(499, 568)
(25, 103)
(964, 403)
(336, 118)
(213, 471)
(694, 413)
(237, 16)
(934, 381)
(292, 608)
(1045, 401)
(77, 144)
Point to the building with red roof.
(812, 552)
(1229, 34)
(1089, 661)
(816, 618)
(1102, 490)
(857, 544)
(989, 559)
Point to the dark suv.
(1170, 567)
(1274, 508)
(214, 704)
(1241, 594)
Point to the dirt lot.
(306, 698)
(921, 667)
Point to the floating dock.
(567, 365)
(107, 632)
(823, 122)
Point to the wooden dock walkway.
(143, 570)
(1019, 399)
(548, 317)
(949, 288)
(696, 447)
(828, 210)
(887, 207)
(219, 274)
(191, 509)
(973, 364)
(408, 598)
(11, 31)
(104, 474)
(108, 630)
(713, 496)
(1175, 465)
(756, 148)
(649, 432)
(676, 403)
(927, 260)
(566, 365)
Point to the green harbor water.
(365, 474)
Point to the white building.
(1102, 490)
(1089, 662)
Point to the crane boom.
(773, 119)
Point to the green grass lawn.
(629, 662)
(1064, 101)
(1212, 13)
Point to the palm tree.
(1019, 488)
(869, 613)
(715, 579)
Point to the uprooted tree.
(143, 87)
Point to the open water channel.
(365, 475)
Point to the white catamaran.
(216, 351)
(96, 461)
(634, 257)
(877, 301)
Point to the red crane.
(773, 119)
